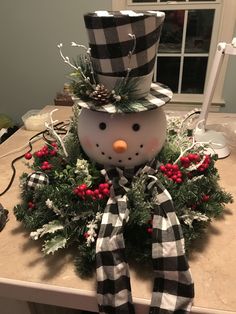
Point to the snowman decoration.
(122, 126)
(112, 134)
(123, 140)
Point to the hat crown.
(124, 44)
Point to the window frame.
(225, 10)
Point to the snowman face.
(124, 140)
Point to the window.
(189, 37)
(184, 50)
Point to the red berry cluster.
(46, 151)
(172, 172)
(83, 192)
(188, 159)
(176, 172)
(46, 165)
(31, 205)
(205, 164)
(204, 199)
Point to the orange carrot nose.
(120, 146)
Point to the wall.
(229, 91)
(31, 71)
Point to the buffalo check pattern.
(110, 41)
(173, 289)
(158, 96)
(37, 179)
(123, 46)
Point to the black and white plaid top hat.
(122, 42)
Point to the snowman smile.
(118, 153)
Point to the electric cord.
(59, 128)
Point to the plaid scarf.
(173, 289)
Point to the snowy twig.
(50, 128)
(131, 52)
(66, 59)
(88, 52)
(190, 147)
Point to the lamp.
(201, 133)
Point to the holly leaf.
(54, 244)
(51, 227)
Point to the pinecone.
(100, 95)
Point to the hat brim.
(158, 96)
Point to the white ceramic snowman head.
(124, 140)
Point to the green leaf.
(54, 244)
(51, 227)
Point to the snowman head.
(124, 140)
(121, 122)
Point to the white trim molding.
(224, 23)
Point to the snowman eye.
(102, 126)
(136, 127)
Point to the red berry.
(96, 192)
(149, 230)
(44, 167)
(196, 157)
(86, 235)
(89, 192)
(31, 205)
(106, 191)
(201, 168)
(54, 144)
(162, 168)
(192, 157)
(179, 174)
(28, 156)
(101, 186)
(175, 167)
(81, 194)
(179, 180)
(168, 166)
(174, 177)
(100, 196)
(39, 154)
(53, 152)
(75, 191)
(205, 198)
(186, 165)
(169, 173)
(184, 160)
(83, 187)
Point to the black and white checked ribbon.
(111, 44)
(173, 289)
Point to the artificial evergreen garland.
(64, 197)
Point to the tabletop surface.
(23, 264)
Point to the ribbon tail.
(173, 289)
(113, 279)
